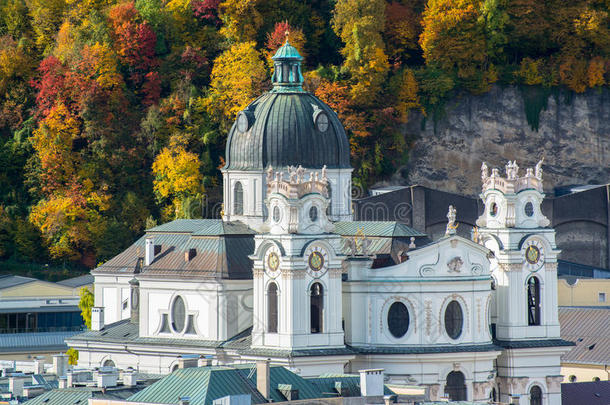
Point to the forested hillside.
(114, 114)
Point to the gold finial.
(359, 238)
(222, 210)
(287, 33)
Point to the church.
(287, 274)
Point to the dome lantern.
(287, 77)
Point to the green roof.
(388, 229)
(205, 384)
(62, 397)
(287, 51)
(203, 227)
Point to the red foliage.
(51, 85)
(151, 88)
(206, 10)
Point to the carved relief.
(428, 305)
(454, 265)
(426, 271)
(508, 267)
(478, 315)
(476, 269)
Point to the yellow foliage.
(65, 50)
(595, 72)
(241, 20)
(14, 64)
(107, 66)
(177, 173)
(573, 73)
(530, 71)
(237, 77)
(406, 88)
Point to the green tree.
(87, 300)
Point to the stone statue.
(300, 174)
(484, 172)
(512, 170)
(349, 244)
(293, 174)
(412, 244)
(269, 174)
(324, 174)
(451, 225)
(495, 172)
(316, 176)
(539, 169)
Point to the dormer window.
(276, 214)
(313, 214)
(529, 209)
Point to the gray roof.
(389, 229)
(589, 329)
(282, 133)
(77, 281)
(35, 341)
(8, 281)
(589, 393)
(221, 251)
(532, 344)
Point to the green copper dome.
(287, 126)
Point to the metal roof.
(287, 51)
(23, 342)
(376, 228)
(283, 134)
(531, 344)
(8, 281)
(204, 227)
(221, 251)
(589, 329)
(77, 281)
(205, 384)
(72, 396)
(589, 393)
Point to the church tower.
(297, 266)
(524, 268)
(285, 127)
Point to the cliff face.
(573, 137)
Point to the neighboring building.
(589, 393)
(589, 329)
(37, 316)
(287, 275)
(584, 292)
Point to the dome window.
(529, 209)
(178, 315)
(398, 319)
(454, 320)
(243, 122)
(276, 214)
(321, 120)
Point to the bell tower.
(297, 266)
(524, 268)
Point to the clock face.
(534, 255)
(316, 261)
(273, 261)
(242, 122)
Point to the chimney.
(135, 300)
(262, 377)
(39, 365)
(188, 361)
(70, 379)
(60, 364)
(205, 360)
(107, 377)
(15, 385)
(149, 254)
(184, 401)
(189, 255)
(371, 382)
(97, 318)
(233, 400)
(129, 378)
(63, 382)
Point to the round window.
(398, 319)
(313, 214)
(493, 210)
(276, 214)
(322, 122)
(178, 314)
(529, 209)
(454, 320)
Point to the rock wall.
(573, 137)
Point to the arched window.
(456, 386)
(533, 301)
(316, 307)
(535, 395)
(272, 308)
(109, 363)
(178, 315)
(454, 320)
(238, 199)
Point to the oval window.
(529, 209)
(313, 214)
(398, 319)
(242, 122)
(276, 214)
(454, 320)
(178, 314)
(322, 122)
(493, 210)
